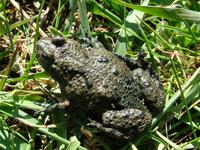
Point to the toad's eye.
(58, 41)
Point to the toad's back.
(90, 75)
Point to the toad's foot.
(111, 131)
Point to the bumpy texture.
(119, 100)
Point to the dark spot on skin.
(102, 59)
(114, 71)
(88, 84)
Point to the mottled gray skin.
(119, 101)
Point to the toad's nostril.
(58, 41)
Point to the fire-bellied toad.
(119, 99)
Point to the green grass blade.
(194, 80)
(74, 143)
(177, 14)
(18, 24)
(70, 19)
(85, 27)
(9, 140)
(32, 122)
(57, 18)
(175, 146)
(100, 10)
(129, 30)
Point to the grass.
(167, 31)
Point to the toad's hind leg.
(125, 124)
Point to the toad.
(119, 98)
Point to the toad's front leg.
(152, 89)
